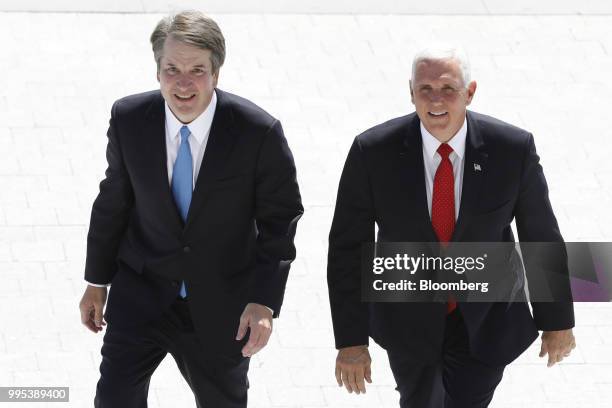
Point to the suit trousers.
(457, 380)
(131, 355)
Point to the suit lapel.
(220, 142)
(414, 173)
(474, 168)
(154, 152)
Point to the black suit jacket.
(236, 245)
(383, 182)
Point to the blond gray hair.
(193, 28)
(442, 52)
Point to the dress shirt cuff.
(97, 285)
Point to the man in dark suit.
(193, 227)
(442, 174)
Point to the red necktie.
(443, 203)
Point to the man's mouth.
(438, 114)
(184, 98)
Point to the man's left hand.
(557, 344)
(259, 319)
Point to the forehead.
(178, 52)
(429, 70)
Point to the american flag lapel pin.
(477, 167)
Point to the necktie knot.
(184, 134)
(444, 150)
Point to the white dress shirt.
(432, 159)
(200, 130)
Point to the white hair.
(442, 52)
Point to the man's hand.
(92, 306)
(352, 367)
(558, 344)
(259, 319)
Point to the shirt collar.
(199, 127)
(457, 142)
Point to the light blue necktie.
(182, 181)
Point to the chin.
(437, 127)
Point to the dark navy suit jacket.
(383, 182)
(237, 242)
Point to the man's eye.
(171, 70)
(198, 71)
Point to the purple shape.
(587, 291)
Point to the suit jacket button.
(186, 249)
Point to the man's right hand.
(352, 367)
(92, 307)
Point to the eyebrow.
(452, 84)
(195, 66)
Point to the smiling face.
(186, 79)
(440, 96)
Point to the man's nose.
(183, 81)
(435, 97)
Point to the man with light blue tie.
(193, 227)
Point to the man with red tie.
(441, 174)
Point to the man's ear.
(471, 90)
(411, 91)
(216, 78)
(158, 75)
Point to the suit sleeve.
(546, 261)
(110, 213)
(353, 225)
(278, 208)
